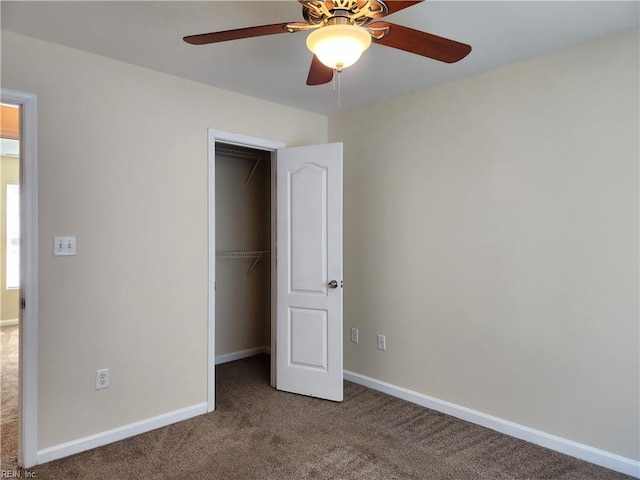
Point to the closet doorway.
(243, 252)
(244, 170)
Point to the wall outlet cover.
(102, 378)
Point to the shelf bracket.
(253, 170)
(253, 265)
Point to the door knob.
(333, 284)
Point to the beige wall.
(243, 223)
(9, 173)
(123, 166)
(491, 233)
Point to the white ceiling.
(275, 68)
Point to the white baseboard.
(120, 433)
(553, 442)
(232, 357)
(8, 323)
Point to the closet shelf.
(257, 254)
(254, 254)
(257, 156)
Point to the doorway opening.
(27, 444)
(260, 154)
(10, 148)
(243, 252)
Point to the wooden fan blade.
(397, 5)
(422, 43)
(393, 6)
(319, 73)
(238, 33)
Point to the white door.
(309, 271)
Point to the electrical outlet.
(102, 378)
(354, 335)
(382, 342)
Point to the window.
(13, 236)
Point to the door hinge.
(23, 303)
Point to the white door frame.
(259, 144)
(28, 325)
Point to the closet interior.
(243, 252)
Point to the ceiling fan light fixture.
(338, 46)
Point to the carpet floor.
(8, 397)
(258, 433)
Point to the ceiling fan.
(343, 29)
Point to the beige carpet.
(259, 433)
(9, 397)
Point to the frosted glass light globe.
(338, 46)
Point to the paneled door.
(309, 271)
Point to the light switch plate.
(64, 246)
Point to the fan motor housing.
(355, 12)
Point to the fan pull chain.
(339, 89)
(337, 74)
